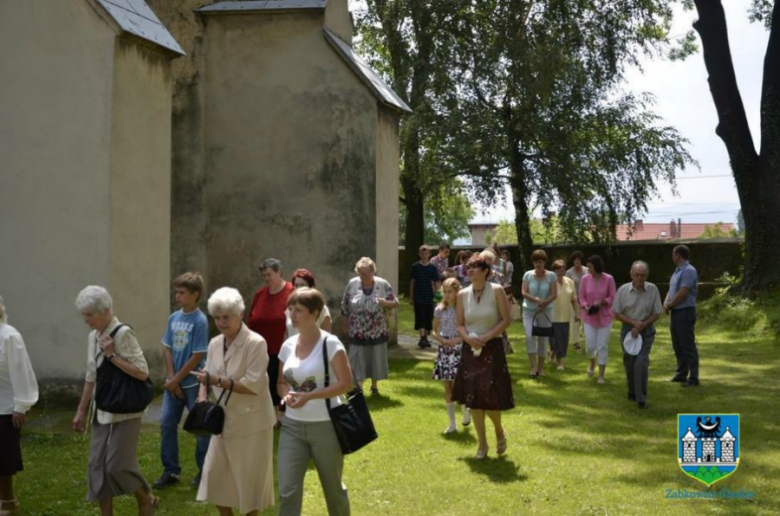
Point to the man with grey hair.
(638, 306)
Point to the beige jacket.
(246, 362)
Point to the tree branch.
(733, 127)
(770, 92)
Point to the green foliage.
(685, 47)
(716, 231)
(506, 232)
(447, 215)
(735, 312)
(761, 12)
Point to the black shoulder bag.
(541, 331)
(117, 392)
(351, 420)
(208, 418)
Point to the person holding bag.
(307, 429)
(113, 468)
(540, 289)
(238, 469)
(597, 293)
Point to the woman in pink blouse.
(597, 293)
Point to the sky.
(684, 102)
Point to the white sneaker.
(450, 430)
(466, 416)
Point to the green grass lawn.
(574, 447)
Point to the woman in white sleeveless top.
(483, 383)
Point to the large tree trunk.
(522, 216)
(413, 200)
(757, 177)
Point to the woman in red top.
(267, 317)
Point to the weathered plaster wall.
(290, 140)
(55, 114)
(339, 20)
(387, 195)
(140, 191)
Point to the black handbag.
(541, 331)
(351, 420)
(208, 418)
(117, 392)
(593, 310)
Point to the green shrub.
(735, 312)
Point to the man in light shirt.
(638, 306)
(18, 393)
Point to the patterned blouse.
(447, 321)
(367, 322)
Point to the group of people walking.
(271, 366)
(557, 305)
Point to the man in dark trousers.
(421, 290)
(638, 306)
(681, 303)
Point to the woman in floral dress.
(363, 306)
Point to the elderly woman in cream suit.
(238, 470)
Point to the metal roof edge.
(128, 20)
(397, 103)
(263, 7)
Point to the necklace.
(478, 293)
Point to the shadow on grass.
(499, 471)
(377, 403)
(460, 437)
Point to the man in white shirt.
(18, 393)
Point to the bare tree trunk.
(757, 177)
(414, 199)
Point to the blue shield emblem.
(708, 445)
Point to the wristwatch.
(112, 355)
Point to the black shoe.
(691, 383)
(680, 379)
(427, 344)
(195, 481)
(421, 343)
(642, 404)
(631, 397)
(166, 480)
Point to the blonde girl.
(448, 353)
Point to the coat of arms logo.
(708, 445)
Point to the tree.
(447, 215)
(717, 231)
(506, 233)
(539, 108)
(406, 40)
(756, 174)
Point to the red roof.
(667, 231)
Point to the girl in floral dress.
(448, 354)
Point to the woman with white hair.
(113, 468)
(238, 470)
(363, 305)
(18, 393)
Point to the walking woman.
(597, 293)
(238, 470)
(113, 468)
(363, 306)
(18, 393)
(307, 431)
(539, 291)
(482, 382)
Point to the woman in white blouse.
(18, 393)
(113, 468)
(307, 431)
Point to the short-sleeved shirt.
(187, 333)
(308, 374)
(638, 304)
(684, 276)
(441, 264)
(562, 306)
(424, 276)
(538, 288)
(576, 277)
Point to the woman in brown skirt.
(482, 382)
(113, 468)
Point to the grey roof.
(378, 87)
(265, 6)
(135, 17)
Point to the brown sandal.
(9, 507)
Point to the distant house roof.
(667, 231)
(264, 5)
(136, 18)
(378, 87)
